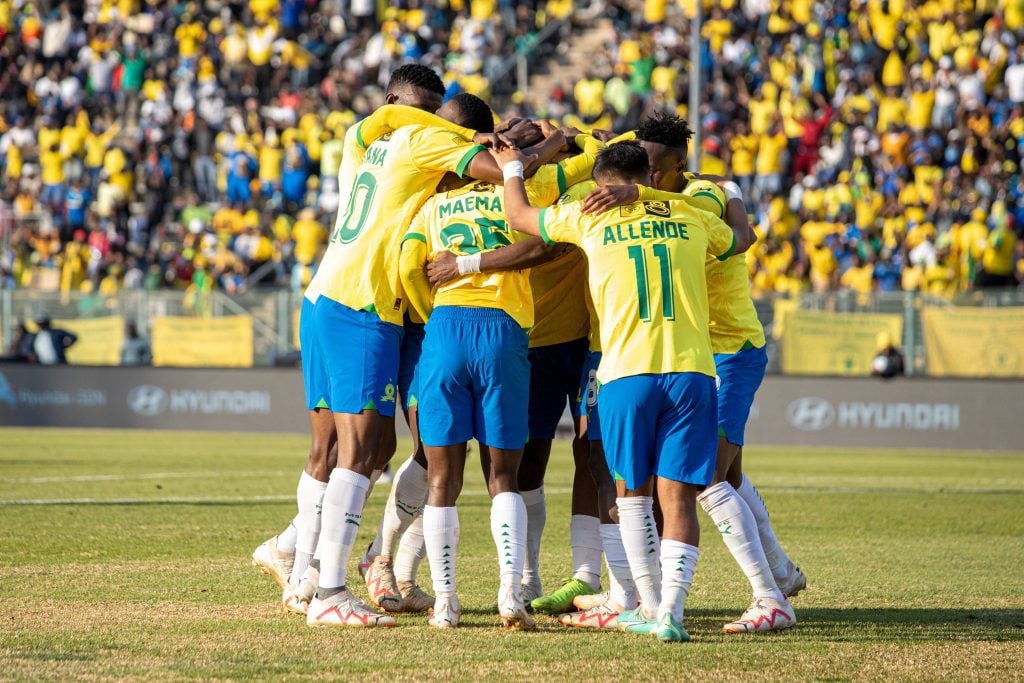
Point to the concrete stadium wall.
(812, 411)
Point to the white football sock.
(536, 517)
(286, 539)
(309, 495)
(441, 534)
(739, 531)
(508, 527)
(777, 558)
(643, 548)
(620, 579)
(585, 538)
(405, 502)
(342, 515)
(677, 562)
(411, 551)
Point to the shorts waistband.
(471, 313)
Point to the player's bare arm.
(518, 212)
(518, 256)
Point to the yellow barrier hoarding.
(974, 342)
(203, 342)
(816, 343)
(99, 340)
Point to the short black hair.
(417, 76)
(670, 131)
(474, 113)
(627, 160)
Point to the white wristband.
(732, 190)
(468, 264)
(513, 169)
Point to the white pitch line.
(148, 475)
(199, 500)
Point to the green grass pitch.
(125, 554)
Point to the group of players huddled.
(484, 279)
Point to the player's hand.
(551, 131)
(503, 155)
(524, 133)
(507, 124)
(610, 196)
(570, 132)
(492, 140)
(603, 135)
(442, 269)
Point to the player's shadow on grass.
(883, 624)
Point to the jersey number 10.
(643, 292)
(358, 208)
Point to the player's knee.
(502, 482)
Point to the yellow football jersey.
(733, 321)
(382, 121)
(577, 193)
(399, 171)
(646, 276)
(559, 310)
(471, 220)
(560, 313)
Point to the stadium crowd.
(149, 145)
(878, 143)
(176, 144)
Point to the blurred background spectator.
(136, 349)
(49, 343)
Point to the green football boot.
(561, 600)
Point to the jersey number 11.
(643, 292)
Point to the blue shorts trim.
(361, 354)
(408, 363)
(474, 379)
(739, 376)
(664, 425)
(586, 400)
(314, 366)
(554, 383)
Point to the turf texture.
(125, 555)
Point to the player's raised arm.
(392, 116)
(518, 212)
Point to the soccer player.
(411, 97)
(474, 376)
(560, 332)
(357, 325)
(657, 399)
(402, 516)
(737, 340)
(558, 345)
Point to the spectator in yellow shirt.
(997, 259)
(53, 177)
(771, 150)
(743, 150)
(589, 94)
